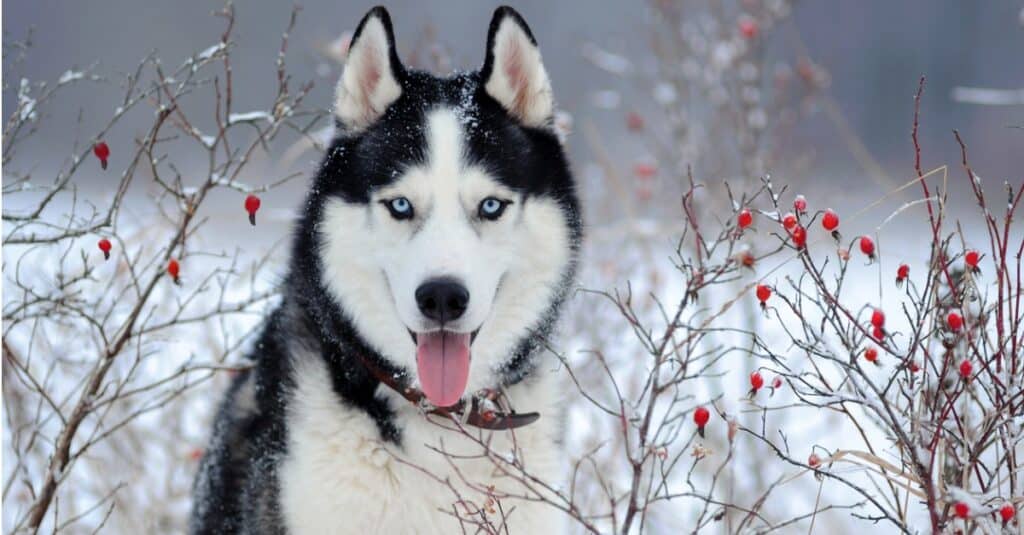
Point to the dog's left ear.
(370, 82)
(513, 73)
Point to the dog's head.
(447, 219)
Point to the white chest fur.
(339, 477)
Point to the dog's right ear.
(370, 81)
(513, 73)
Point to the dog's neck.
(483, 410)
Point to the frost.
(249, 117)
(70, 76)
(26, 104)
(208, 141)
(209, 52)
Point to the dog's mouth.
(442, 363)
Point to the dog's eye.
(492, 208)
(400, 208)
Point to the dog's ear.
(371, 79)
(513, 73)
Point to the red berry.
(878, 333)
(748, 28)
(488, 416)
(867, 246)
(972, 258)
(789, 221)
(800, 204)
(104, 245)
(745, 218)
(914, 367)
(777, 382)
(799, 236)
(813, 460)
(961, 509)
(878, 318)
(252, 203)
(756, 381)
(701, 416)
(196, 454)
(830, 221)
(1006, 512)
(965, 369)
(954, 321)
(901, 273)
(871, 355)
(644, 170)
(763, 293)
(173, 269)
(102, 152)
(634, 121)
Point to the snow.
(251, 116)
(207, 140)
(70, 76)
(26, 104)
(209, 52)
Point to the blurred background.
(817, 94)
(870, 52)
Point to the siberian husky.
(403, 381)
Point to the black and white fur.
(308, 441)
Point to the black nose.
(442, 299)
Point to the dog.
(405, 378)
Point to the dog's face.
(448, 225)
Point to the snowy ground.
(150, 462)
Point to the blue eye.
(492, 208)
(400, 208)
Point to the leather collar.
(482, 411)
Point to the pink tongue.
(442, 359)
